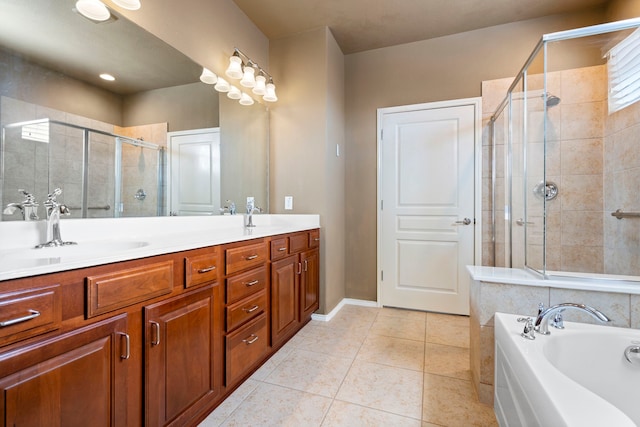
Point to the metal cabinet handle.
(465, 221)
(306, 265)
(252, 309)
(251, 339)
(207, 269)
(156, 332)
(282, 249)
(250, 257)
(127, 346)
(33, 314)
(253, 282)
(299, 268)
(522, 222)
(316, 239)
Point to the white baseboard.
(337, 308)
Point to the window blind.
(623, 64)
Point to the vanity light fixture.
(128, 4)
(93, 9)
(222, 85)
(208, 77)
(251, 75)
(108, 77)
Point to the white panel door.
(195, 172)
(427, 178)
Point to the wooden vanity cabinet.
(295, 284)
(75, 379)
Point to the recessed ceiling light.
(128, 4)
(93, 9)
(108, 77)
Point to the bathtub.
(574, 377)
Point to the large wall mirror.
(105, 143)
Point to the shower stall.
(101, 174)
(564, 157)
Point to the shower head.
(552, 100)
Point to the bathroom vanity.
(156, 329)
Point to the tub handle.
(528, 332)
(632, 354)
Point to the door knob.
(465, 221)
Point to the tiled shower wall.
(595, 160)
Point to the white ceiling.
(360, 25)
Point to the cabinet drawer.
(314, 238)
(111, 291)
(279, 248)
(245, 284)
(201, 269)
(29, 313)
(245, 348)
(298, 242)
(247, 309)
(244, 257)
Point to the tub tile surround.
(516, 291)
(394, 376)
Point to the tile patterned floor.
(365, 367)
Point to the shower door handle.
(465, 221)
(522, 222)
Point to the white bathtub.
(574, 377)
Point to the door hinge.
(381, 204)
(381, 275)
(381, 134)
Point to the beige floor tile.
(399, 327)
(448, 329)
(311, 372)
(386, 388)
(407, 354)
(271, 405)
(343, 414)
(333, 341)
(268, 367)
(222, 412)
(356, 323)
(452, 402)
(447, 360)
(399, 312)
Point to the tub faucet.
(54, 210)
(28, 207)
(542, 321)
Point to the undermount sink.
(80, 250)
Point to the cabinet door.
(285, 306)
(309, 283)
(76, 379)
(180, 374)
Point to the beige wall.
(305, 127)
(444, 68)
(623, 9)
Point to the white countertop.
(103, 241)
(519, 276)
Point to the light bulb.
(128, 4)
(93, 9)
(234, 93)
(248, 78)
(259, 88)
(246, 99)
(222, 85)
(208, 76)
(235, 67)
(270, 92)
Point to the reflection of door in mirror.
(194, 183)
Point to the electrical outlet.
(288, 202)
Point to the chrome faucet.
(231, 208)
(251, 208)
(541, 324)
(28, 207)
(54, 210)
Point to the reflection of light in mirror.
(208, 77)
(234, 93)
(128, 4)
(246, 99)
(108, 77)
(222, 85)
(93, 9)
